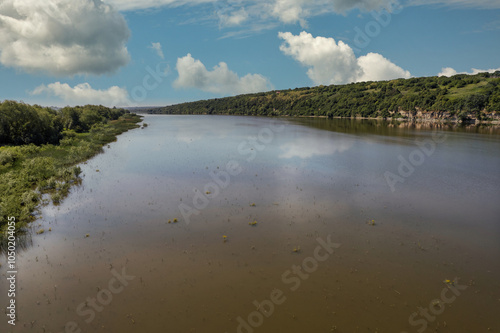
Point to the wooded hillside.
(461, 96)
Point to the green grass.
(27, 172)
(468, 90)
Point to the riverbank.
(421, 121)
(31, 175)
(406, 119)
(419, 116)
(432, 120)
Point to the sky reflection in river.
(308, 179)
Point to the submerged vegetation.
(39, 150)
(460, 97)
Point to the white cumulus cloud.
(448, 71)
(84, 94)
(291, 11)
(220, 80)
(330, 62)
(377, 68)
(62, 37)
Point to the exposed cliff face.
(445, 116)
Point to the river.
(249, 224)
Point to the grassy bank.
(29, 171)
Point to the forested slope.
(460, 96)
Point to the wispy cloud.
(246, 12)
(299, 11)
(478, 4)
(157, 48)
(491, 26)
(131, 5)
(249, 30)
(239, 18)
(232, 18)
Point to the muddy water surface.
(359, 224)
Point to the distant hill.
(461, 97)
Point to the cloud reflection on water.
(308, 146)
(187, 132)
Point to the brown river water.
(284, 225)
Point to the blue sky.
(160, 52)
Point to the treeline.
(22, 124)
(39, 150)
(460, 96)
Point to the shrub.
(7, 156)
(38, 168)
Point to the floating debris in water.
(254, 223)
(436, 303)
(372, 222)
(224, 237)
(253, 204)
(87, 236)
(296, 249)
(449, 282)
(41, 231)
